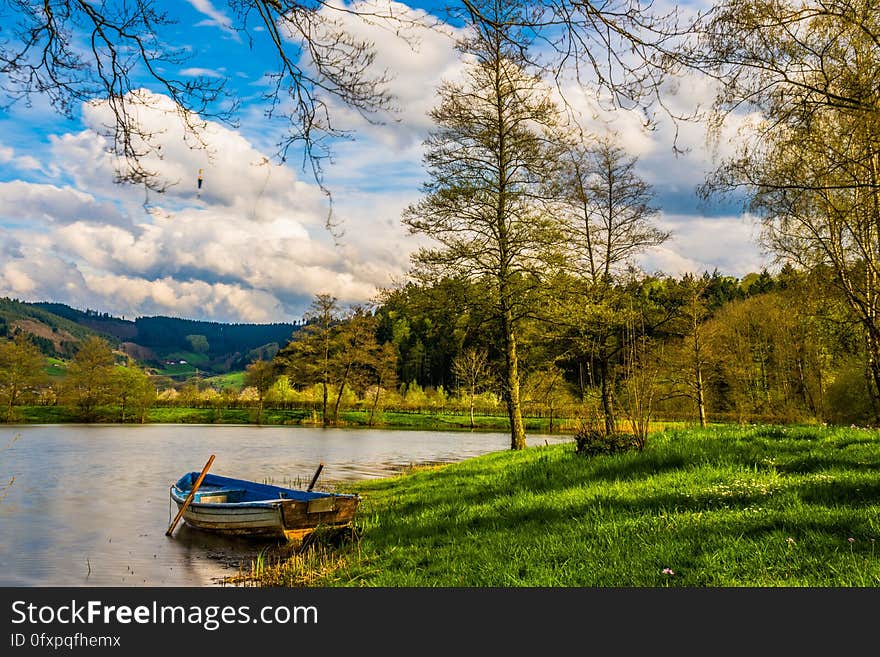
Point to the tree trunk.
(698, 374)
(607, 392)
(701, 402)
(874, 367)
(514, 409)
(375, 402)
(325, 419)
(473, 424)
(339, 394)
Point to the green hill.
(54, 334)
(174, 346)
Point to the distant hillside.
(91, 319)
(55, 334)
(169, 333)
(155, 341)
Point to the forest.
(762, 349)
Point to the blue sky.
(252, 246)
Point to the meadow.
(730, 506)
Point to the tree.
(608, 211)
(133, 390)
(640, 384)
(198, 343)
(356, 346)
(473, 373)
(608, 219)
(382, 372)
(810, 166)
(88, 383)
(688, 373)
(547, 386)
(430, 324)
(309, 355)
(487, 160)
(260, 375)
(621, 49)
(21, 371)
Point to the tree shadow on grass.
(841, 493)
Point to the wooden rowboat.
(246, 508)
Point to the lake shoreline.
(438, 420)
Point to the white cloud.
(254, 231)
(20, 162)
(202, 72)
(414, 51)
(216, 18)
(25, 201)
(702, 244)
(190, 299)
(39, 275)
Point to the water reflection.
(90, 503)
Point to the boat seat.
(224, 493)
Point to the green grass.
(451, 420)
(231, 380)
(44, 415)
(55, 367)
(177, 415)
(431, 420)
(724, 507)
(177, 370)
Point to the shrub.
(593, 442)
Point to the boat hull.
(268, 517)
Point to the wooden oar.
(315, 476)
(190, 496)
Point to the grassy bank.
(732, 506)
(419, 420)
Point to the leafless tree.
(493, 148)
(608, 218)
(473, 373)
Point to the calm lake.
(90, 503)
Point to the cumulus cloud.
(20, 200)
(9, 157)
(416, 52)
(191, 299)
(38, 274)
(250, 245)
(700, 244)
(10, 247)
(234, 173)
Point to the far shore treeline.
(764, 348)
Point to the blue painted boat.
(247, 508)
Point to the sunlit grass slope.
(732, 506)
